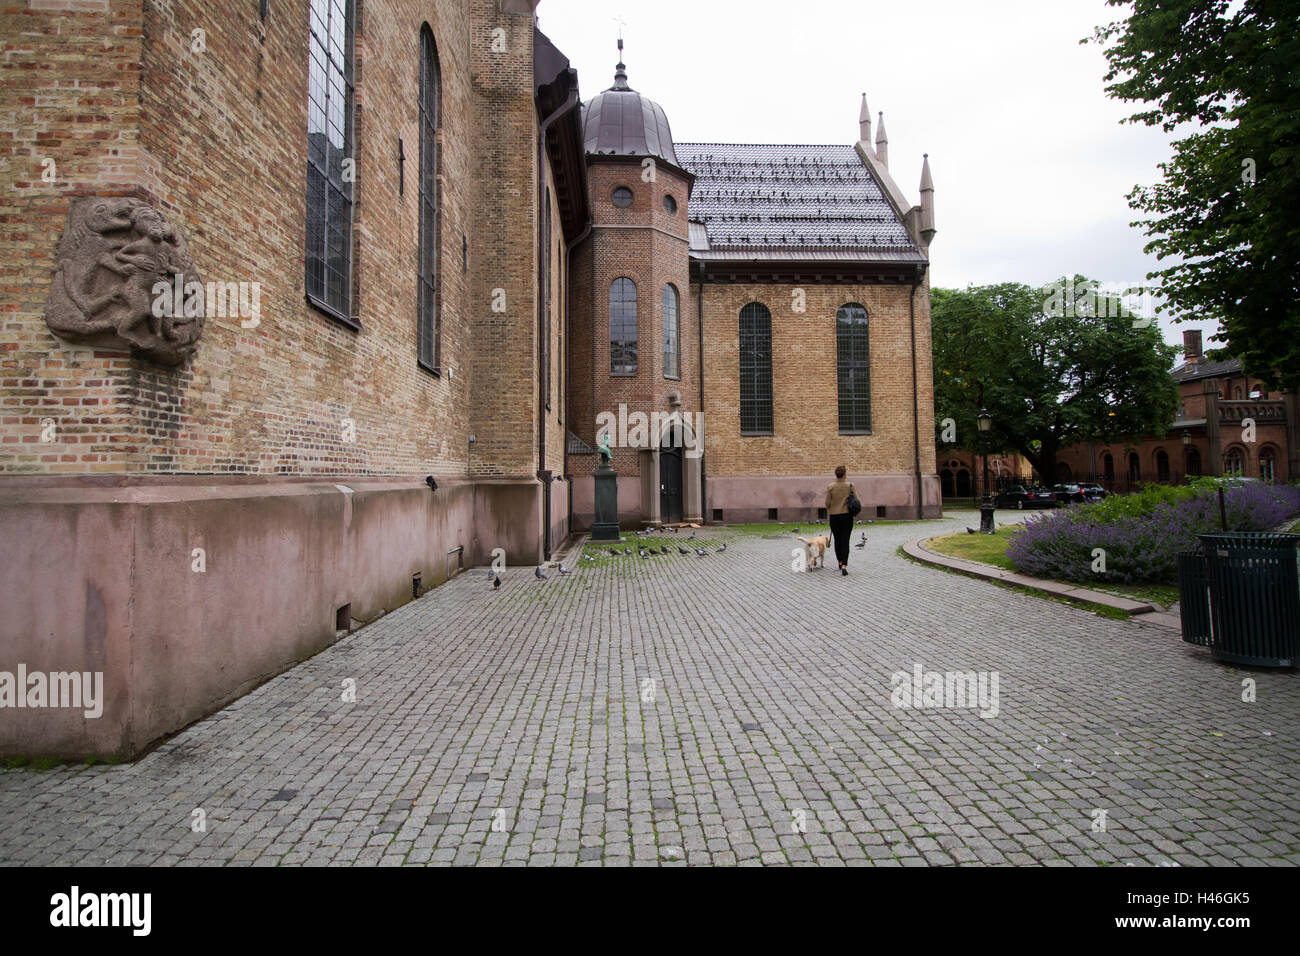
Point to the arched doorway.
(963, 484)
(1162, 466)
(1193, 462)
(1108, 467)
(1134, 469)
(1063, 472)
(946, 480)
(670, 474)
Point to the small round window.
(671, 205)
(622, 197)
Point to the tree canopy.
(1050, 377)
(1224, 211)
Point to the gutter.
(699, 362)
(916, 400)
(543, 474)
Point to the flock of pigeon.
(642, 550)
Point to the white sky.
(1030, 162)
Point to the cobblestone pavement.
(717, 710)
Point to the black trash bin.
(1254, 593)
(1194, 598)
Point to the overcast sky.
(1030, 162)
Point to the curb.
(1148, 612)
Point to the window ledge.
(433, 370)
(332, 312)
(745, 434)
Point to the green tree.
(1225, 210)
(1052, 372)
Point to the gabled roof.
(790, 203)
(1203, 369)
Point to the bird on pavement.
(664, 550)
(627, 550)
(537, 573)
(970, 530)
(683, 550)
(614, 552)
(564, 570)
(692, 537)
(861, 544)
(723, 548)
(496, 581)
(587, 557)
(701, 552)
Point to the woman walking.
(837, 507)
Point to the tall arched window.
(755, 370)
(1108, 467)
(1162, 466)
(331, 159)
(1193, 461)
(1134, 468)
(853, 370)
(430, 89)
(672, 333)
(622, 327)
(1234, 462)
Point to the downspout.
(916, 400)
(543, 475)
(699, 361)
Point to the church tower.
(634, 349)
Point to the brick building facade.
(423, 243)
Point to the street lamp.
(985, 421)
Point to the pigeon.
(614, 552)
(970, 530)
(645, 554)
(587, 557)
(723, 548)
(664, 550)
(692, 537)
(564, 570)
(537, 573)
(862, 543)
(796, 531)
(627, 550)
(683, 550)
(701, 552)
(496, 581)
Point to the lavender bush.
(1143, 547)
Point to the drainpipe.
(699, 362)
(916, 400)
(543, 474)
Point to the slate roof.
(790, 202)
(1205, 369)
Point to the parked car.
(1018, 496)
(1068, 493)
(1092, 491)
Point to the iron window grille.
(755, 370)
(331, 159)
(622, 327)
(853, 369)
(672, 332)
(430, 301)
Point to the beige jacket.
(837, 496)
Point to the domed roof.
(622, 122)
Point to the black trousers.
(842, 529)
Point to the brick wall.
(805, 408)
(221, 148)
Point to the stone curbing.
(1149, 613)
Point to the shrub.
(1142, 539)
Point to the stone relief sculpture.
(115, 256)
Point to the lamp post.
(985, 421)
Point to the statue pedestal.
(605, 527)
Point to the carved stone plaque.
(126, 281)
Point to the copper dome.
(622, 122)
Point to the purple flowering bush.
(1143, 547)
